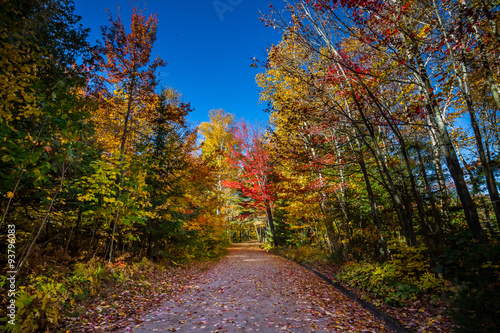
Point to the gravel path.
(251, 290)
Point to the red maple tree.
(250, 154)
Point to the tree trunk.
(464, 86)
(449, 152)
(270, 221)
(123, 153)
(491, 20)
(410, 236)
(477, 192)
(485, 62)
(438, 239)
(29, 248)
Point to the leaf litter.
(251, 290)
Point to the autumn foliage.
(390, 106)
(381, 154)
(97, 161)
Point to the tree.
(127, 69)
(166, 162)
(250, 155)
(44, 116)
(394, 34)
(216, 145)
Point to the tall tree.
(43, 112)
(216, 145)
(250, 155)
(125, 58)
(166, 160)
(400, 37)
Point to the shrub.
(39, 305)
(304, 254)
(42, 301)
(396, 281)
(474, 270)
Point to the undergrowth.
(407, 276)
(42, 301)
(53, 292)
(395, 282)
(304, 254)
(465, 279)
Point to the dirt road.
(252, 291)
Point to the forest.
(379, 164)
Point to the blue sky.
(208, 45)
